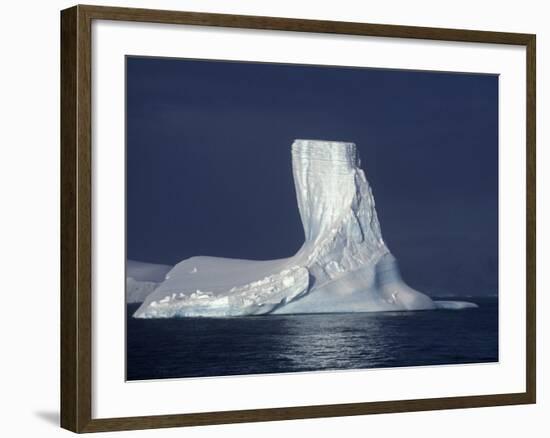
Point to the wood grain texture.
(76, 251)
(69, 328)
(76, 222)
(531, 212)
(303, 412)
(300, 25)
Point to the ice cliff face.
(336, 205)
(343, 265)
(350, 265)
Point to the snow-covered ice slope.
(343, 265)
(211, 286)
(142, 279)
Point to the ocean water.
(200, 347)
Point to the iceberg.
(343, 265)
(142, 279)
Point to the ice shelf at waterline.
(343, 265)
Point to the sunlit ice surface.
(343, 265)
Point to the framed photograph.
(271, 218)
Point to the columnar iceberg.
(344, 264)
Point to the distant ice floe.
(344, 264)
(454, 305)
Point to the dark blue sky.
(209, 166)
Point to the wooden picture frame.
(76, 218)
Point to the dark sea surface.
(199, 347)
